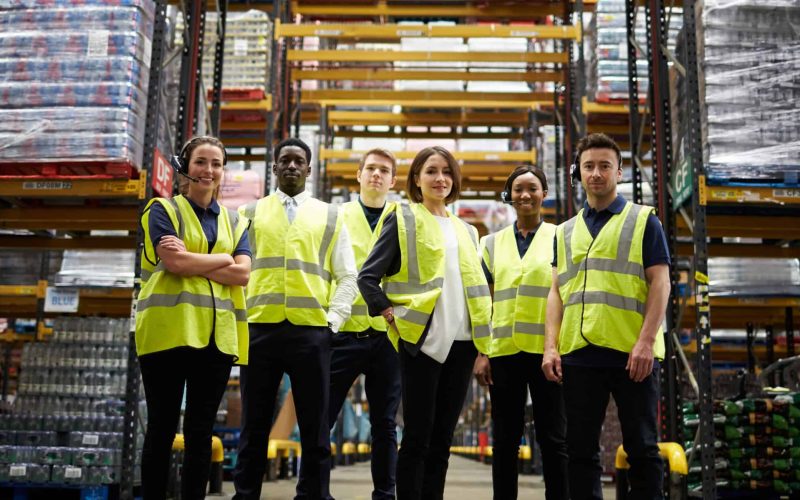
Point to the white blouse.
(450, 320)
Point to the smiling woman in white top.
(436, 302)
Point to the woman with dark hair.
(191, 322)
(436, 302)
(516, 260)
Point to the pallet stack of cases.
(245, 75)
(757, 445)
(607, 53)
(73, 101)
(66, 424)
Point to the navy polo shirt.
(373, 215)
(523, 243)
(160, 225)
(654, 251)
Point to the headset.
(574, 175)
(180, 162)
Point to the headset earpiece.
(574, 174)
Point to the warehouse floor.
(466, 480)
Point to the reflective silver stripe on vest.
(416, 317)
(169, 300)
(412, 288)
(502, 332)
(303, 303)
(535, 291)
(160, 267)
(233, 220)
(266, 299)
(308, 268)
(597, 264)
(620, 264)
(490, 240)
(268, 263)
(529, 328)
(250, 213)
(505, 294)
(607, 298)
(477, 291)
(482, 331)
(411, 244)
(327, 240)
(628, 227)
(359, 310)
(181, 225)
(227, 305)
(469, 231)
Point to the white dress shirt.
(344, 270)
(450, 321)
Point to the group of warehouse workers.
(409, 296)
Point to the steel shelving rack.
(696, 225)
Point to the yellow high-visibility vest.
(414, 290)
(292, 267)
(174, 311)
(602, 282)
(521, 286)
(362, 239)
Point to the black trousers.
(304, 353)
(586, 392)
(433, 395)
(513, 376)
(372, 354)
(205, 374)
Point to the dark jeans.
(433, 395)
(586, 392)
(513, 376)
(372, 354)
(304, 353)
(205, 374)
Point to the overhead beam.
(425, 98)
(398, 74)
(447, 118)
(529, 10)
(81, 242)
(70, 218)
(349, 133)
(498, 156)
(428, 56)
(399, 31)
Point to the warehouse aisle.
(466, 480)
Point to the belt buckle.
(362, 335)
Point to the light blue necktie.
(291, 209)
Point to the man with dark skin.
(300, 245)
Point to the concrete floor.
(466, 480)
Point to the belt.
(366, 334)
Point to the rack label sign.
(61, 300)
(681, 183)
(162, 175)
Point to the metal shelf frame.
(663, 155)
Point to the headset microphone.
(177, 165)
(505, 198)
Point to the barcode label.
(17, 470)
(91, 439)
(73, 473)
(98, 44)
